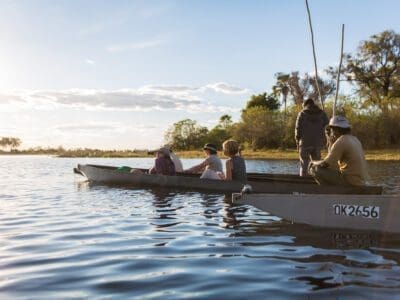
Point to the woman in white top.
(211, 166)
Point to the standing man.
(309, 134)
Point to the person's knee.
(314, 169)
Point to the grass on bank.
(288, 154)
(292, 154)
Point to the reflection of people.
(309, 133)
(211, 166)
(345, 163)
(235, 165)
(163, 164)
(175, 159)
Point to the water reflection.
(245, 221)
(64, 238)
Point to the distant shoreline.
(272, 154)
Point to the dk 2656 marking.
(371, 212)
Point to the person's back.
(310, 126)
(238, 168)
(310, 134)
(214, 163)
(347, 151)
(235, 165)
(163, 164)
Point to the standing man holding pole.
(310, 134)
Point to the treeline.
(373, 108)
(78, 152)
(9, 143)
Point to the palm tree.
(14, 143)
(11, 142)
(282, 87)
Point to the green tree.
(375, 70)
(259, 128)
(225, 121)
(302, 87)
(186, 135)
(10, 142)
(281, 87)
(263, 100)
(221, 132)
(15, 143)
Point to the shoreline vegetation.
(269, 154)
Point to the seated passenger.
(235, 165)
(175, 159)
(345, 163)
(211, 166)
(163, 164)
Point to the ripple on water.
(64, 238)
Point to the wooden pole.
(338, 75)
(314, 55)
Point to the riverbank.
(289, 154)
(292, 154)
(80, 153)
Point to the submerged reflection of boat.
(334, 238)
(261, 183)
(360, 212)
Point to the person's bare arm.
(198, 168)
(229, 168)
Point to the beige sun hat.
(339, 121)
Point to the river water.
(61, 238)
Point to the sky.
(117, 74)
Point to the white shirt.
(177, 162)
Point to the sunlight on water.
(61, 237)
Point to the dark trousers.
(306, 155)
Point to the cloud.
(225, 88)
(146, 98)
(90, 62)
(86, 127)
(106, 130)
(219, 87)
(135, 46)
(10, 99)
(102, 126)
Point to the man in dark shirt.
(309, 134)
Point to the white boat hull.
(360, 212)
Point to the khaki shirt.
(347, 154)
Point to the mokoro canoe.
(358, 212)
(260, 183)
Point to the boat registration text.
(356, 211)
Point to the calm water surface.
(61, 238)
